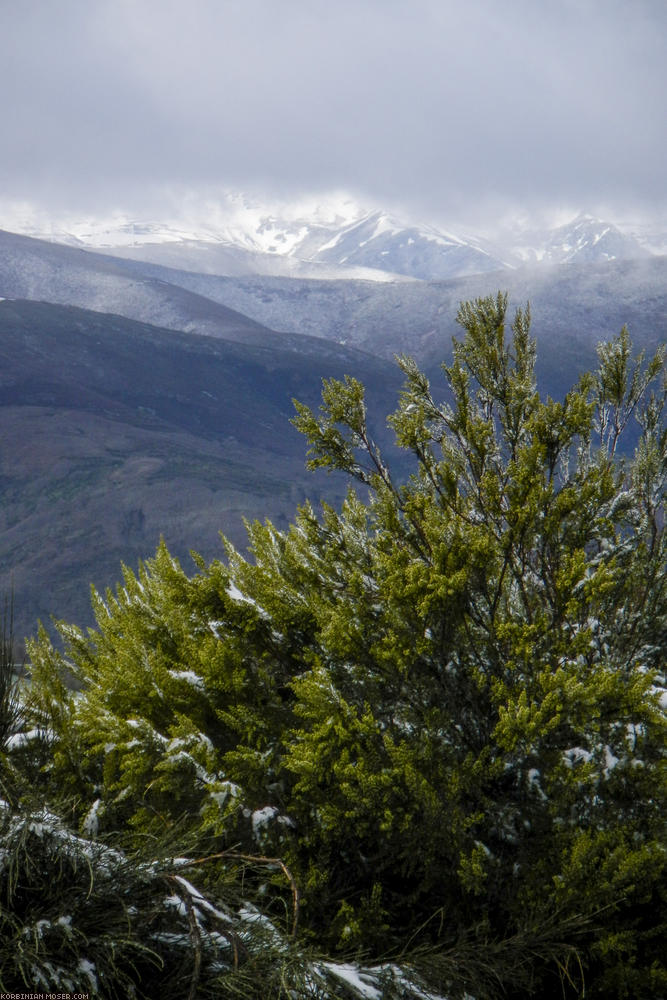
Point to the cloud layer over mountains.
(446, 107)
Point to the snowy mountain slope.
(64, 275)
(382, 242)
(584, 239)
(207, 257)
(335, 239)
(574, 302)
(577, 304)
(238, 237)
(375, 248)
(379, 247)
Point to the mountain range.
(141, 400)
(339, 240)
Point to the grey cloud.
(443, 106)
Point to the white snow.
(610, 761)
(190, 676)
(252, 915)
(91, 823)
(176, 903)
(22, 739)
(88, 969)
(261, 818)
(386, 225)
(410, 990)
(353, 977)
(201, 902)
(577, 755)
(237, 595)
(224, 790)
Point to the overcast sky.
(453, 109)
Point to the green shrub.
(442, 707)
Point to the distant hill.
(49, 272)
(573, 306)
(115, 433)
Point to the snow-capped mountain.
(335, 241)
(585, 238)
(383, 242)
(332, 238)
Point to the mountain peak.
(334, 236)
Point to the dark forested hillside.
(115, 433)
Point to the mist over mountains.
(140, 399)
(338, 239)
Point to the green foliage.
(11, 712)
(442, 707)
(82, 916)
